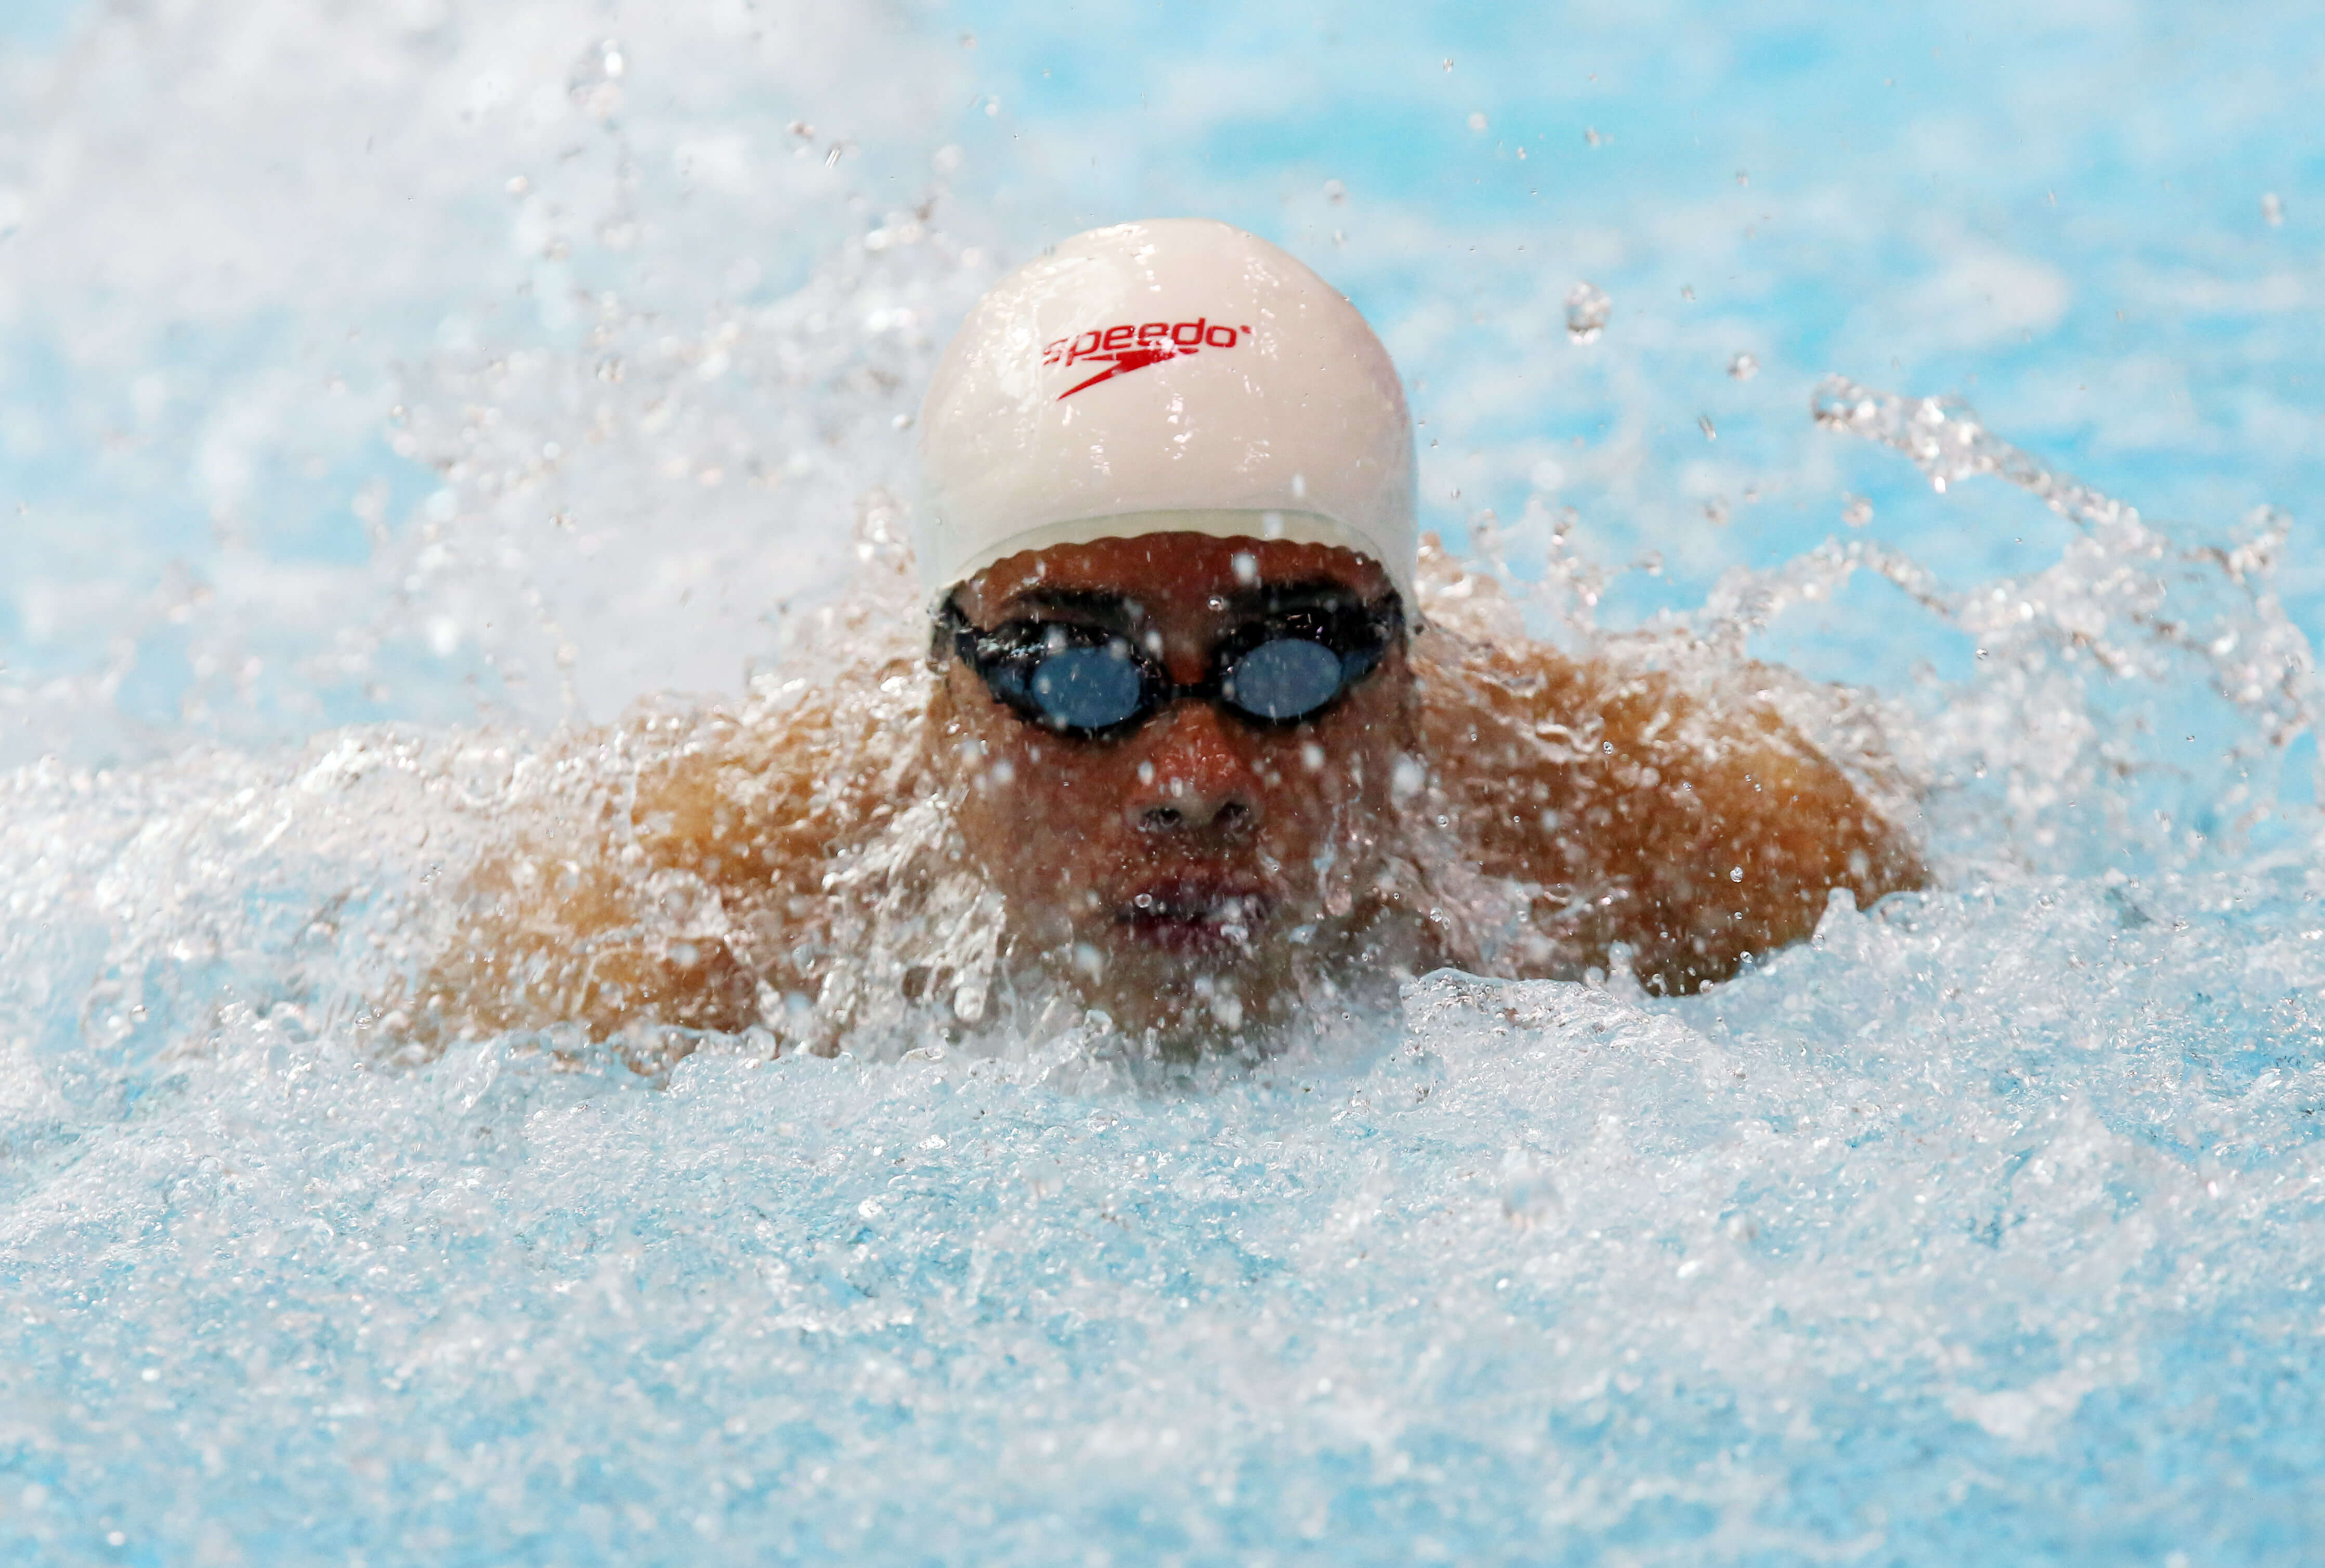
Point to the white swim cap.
(1177, 375)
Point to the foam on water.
(1983, 1227)
(1873, 1255)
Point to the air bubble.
(1407, 779)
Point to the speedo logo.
(1114, 351)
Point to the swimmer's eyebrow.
(1307, 593)
(1114, 608)
(1098, 605)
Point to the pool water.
(382, 389)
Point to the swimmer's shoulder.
(1704, 824)
(769, 790)
(596, 912)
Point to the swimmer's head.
(1167, 523)
(1190, 823)
(1172, 377)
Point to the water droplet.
(1744, 367)
(1246, 567)
(1703, 422)
(594, 79)
(1477, 120)
(1529, 1197)
(1856, 511)
(2271, 209)
(1335, 192)
(1585, 312)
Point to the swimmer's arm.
(549, 941)
(1729, 835)
(564, 931)
(1631, 810)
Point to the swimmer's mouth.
(1193, 916)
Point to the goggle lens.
(1283, 680)
(1087, 688)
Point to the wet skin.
(1200, 845)
(1184, 875)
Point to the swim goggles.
(1283, 666)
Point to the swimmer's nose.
(1191, 777)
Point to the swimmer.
(1181, 738)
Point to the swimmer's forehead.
(1164, 574)
(1114, 604)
